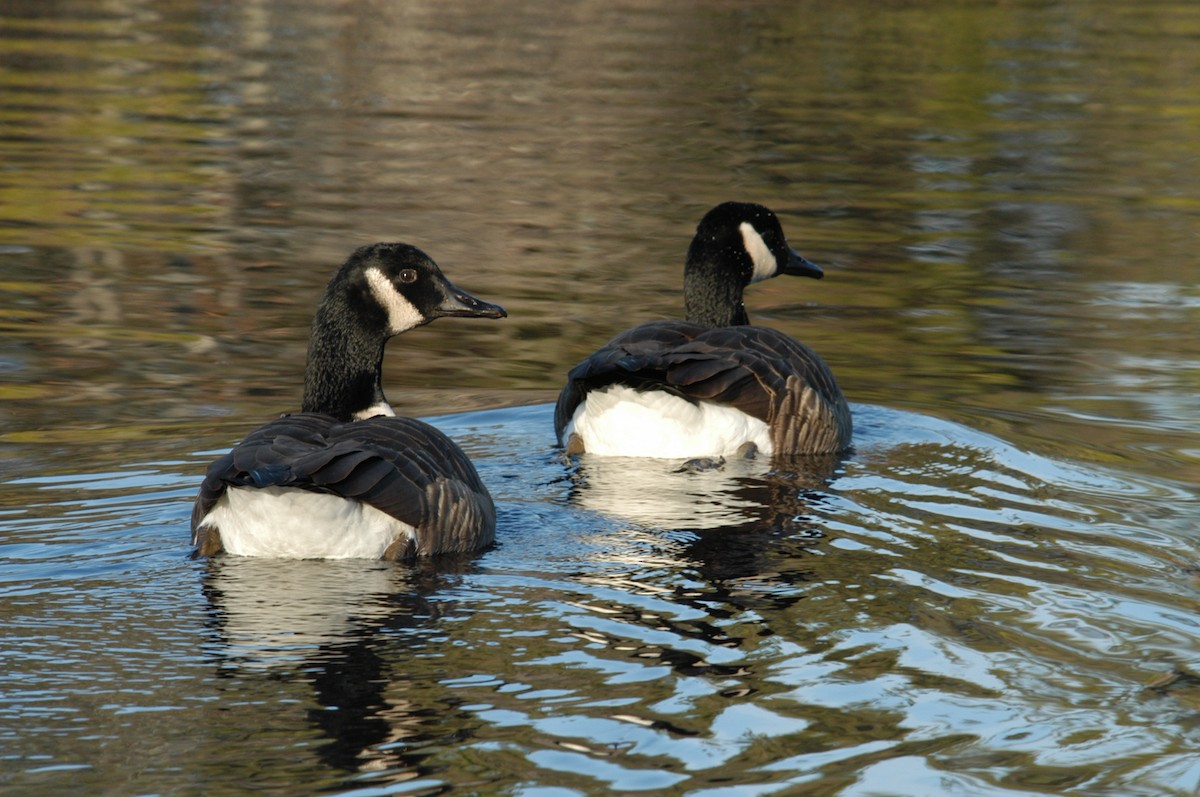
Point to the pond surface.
(995, 594)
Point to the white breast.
(621, 421)
(287, 523)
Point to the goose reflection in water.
(341, 630)
(719, 516)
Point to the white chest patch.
(765, 266)
(285, 523)
(402, 314)
(382, 408)
(619, 421)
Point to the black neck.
(345, 363)
(710, 300)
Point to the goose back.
(402, 467)
(758, 370)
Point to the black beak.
(457, 303)
(798, 266)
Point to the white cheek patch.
(765, 266)
(402, 315)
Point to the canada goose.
(345, 478)
(712, 385)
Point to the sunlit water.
(996, 593)
(944, 613)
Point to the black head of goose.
(712, 385)
(345, 477)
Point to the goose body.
(712, 385)
(345, 477)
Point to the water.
(996, 594)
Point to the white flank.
(619, 421)
(402, 314)
(285, 523)
(765, 266)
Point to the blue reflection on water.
(937, 596)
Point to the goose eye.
(407, 275)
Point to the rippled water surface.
(996, 593)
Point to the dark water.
(996, 594)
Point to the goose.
(713, 385)
(345, 477)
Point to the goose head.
(392, 288)
(381, 291)
(736, 244)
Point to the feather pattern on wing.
(400, 466)
(758, 370)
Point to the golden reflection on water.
(180, 184)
